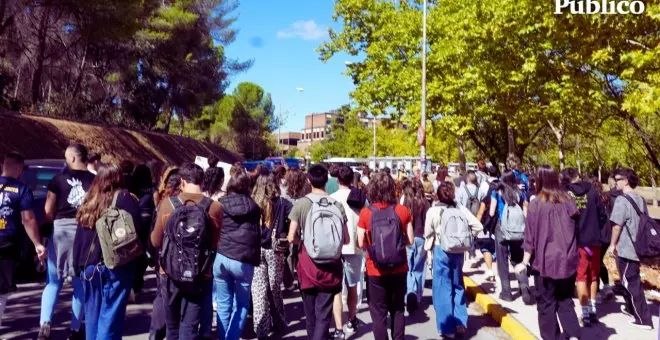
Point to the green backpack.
(120, 243)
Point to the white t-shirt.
(352, 218)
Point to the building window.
(322, 134)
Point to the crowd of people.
(231, 249)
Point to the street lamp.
(423, 126)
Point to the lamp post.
(423, 125)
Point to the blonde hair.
(265, 191)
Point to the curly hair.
(297, 185)
(382, 189)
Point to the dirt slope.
(38, 137)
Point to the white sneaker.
(640, 326)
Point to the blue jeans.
(52, 292)
(106, 295)
(233, 281)
(416, 268)
(448, 291)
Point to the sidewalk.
(613, 324)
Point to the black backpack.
(387, 245)
(647, 243)
(187, 250)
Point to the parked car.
(37, 174)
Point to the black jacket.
(592, 213)
(240, 236)
(606, 233)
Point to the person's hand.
(612, 251)
(520, 268)
(41, 252)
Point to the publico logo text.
(599, 7)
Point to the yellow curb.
(507, 322)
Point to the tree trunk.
(41, 56)
(168, 121)
(653, 184)
(461, 154)
(511, 141)
(646, 139)
(559, 133)
(182, 123)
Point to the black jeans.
(502, 250)
(158, 324)
(183, 311)
(634, 292)
(387, 295)
(318, 313)
(554, 298)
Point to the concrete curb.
(507, 322)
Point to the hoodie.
(240, 237)
(591, 210)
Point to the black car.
(37, 175)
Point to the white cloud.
(307, 30)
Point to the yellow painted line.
(507, 322)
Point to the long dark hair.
(214, 178)
(296, 184)
(446, 193)
(414, 198)
(508, 187)
(550, 189)
(108, 180)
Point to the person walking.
(268, 304)
(551, 239)
(449, 228)
(238, 254)
(66, 193)
(106, 284)
(387, 266)
(418, 205)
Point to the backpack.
(323, 235)
(647, 243)
(120, 243)
(512, 225)
(387, 245)
(456, 237)
(187, 250)
(473, 202)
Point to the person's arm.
(429, 230)
(410, 232)
(293, 230)
(50, 207)
(32, 230)
(475, 225)
(482, 210)
(493, 204)
(344, 228)
(362, 229)
(361, 234)
(618, 218)
(294, 217)
(159, 227)
(529, 241)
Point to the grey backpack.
(512, 225)
(323, 235)
(473, 203)
(456, 237)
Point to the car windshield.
(38, 178)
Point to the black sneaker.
(593, 317)
(76, 335)
(506, 297)
(527, 296)
(44, 331)
(411, 302)
(586, 321)
(337, 335)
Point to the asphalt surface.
(22, 317)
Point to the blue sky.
(281, 37)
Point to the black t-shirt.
(70, 187)
(15, 197)
(85, 236)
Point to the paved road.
(612, 323)
(22, 317)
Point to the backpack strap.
(175, 202)
(635, 206)
(205, 204)
(114, 199)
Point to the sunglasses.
(619, 179)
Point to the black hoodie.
(240, 237)
(591, 210)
